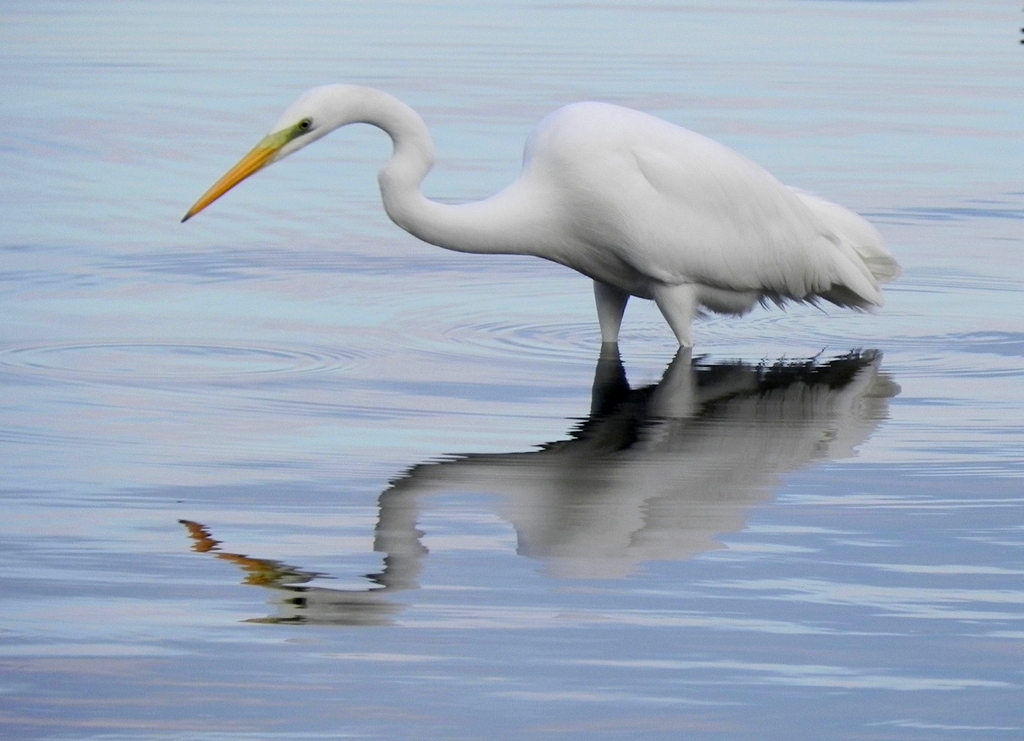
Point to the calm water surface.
(286, 473)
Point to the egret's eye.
(305, 124)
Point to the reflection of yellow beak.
(260, 156)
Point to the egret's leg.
(611, 303)
(678, 305)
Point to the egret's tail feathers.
(883, 267)
(864, 260)
(847, 298)
(855, 232)
(854, 287)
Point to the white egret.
(643, 207)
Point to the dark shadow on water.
(655, 473)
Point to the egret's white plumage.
(643, 207)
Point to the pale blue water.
(749, 544)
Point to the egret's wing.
(715, 217)
(632, 196)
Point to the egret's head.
(303, 122)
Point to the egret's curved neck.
(493, 225)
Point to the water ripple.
(547, 340)
(961, 213)
(968, 354)
(162, 362)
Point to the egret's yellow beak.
(260, 156)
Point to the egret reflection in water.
(654, 473)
